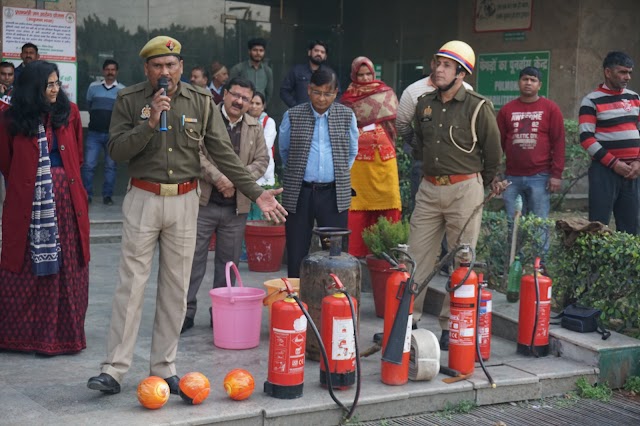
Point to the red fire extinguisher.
(462, 320)
(287, 340)
(398, 318)
(338, 336)
(535, 313)
(484, 320)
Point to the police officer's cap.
(160, 46)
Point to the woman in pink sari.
(374, 175)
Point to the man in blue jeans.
(532, 136)
(101, 96)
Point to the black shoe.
(444, 340)
(414, 326)
(377, 338)
(104, 383)
(174, 384)
(187, 324)
(107, 201)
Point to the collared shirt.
(407, 105)
(293, 90)
(100, 99)
(230, 123)
(261, 77)
(443, 134)
(320, 161)
(173, 156)
(109, 86)
(213, 88)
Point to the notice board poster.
(498, 74)
(53, 31)
(502, 15)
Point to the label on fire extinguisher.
(461, 326)
(407, 335)
(343, 344)
(288, 347)
(467, 290)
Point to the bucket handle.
(227, 272)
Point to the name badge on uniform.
(190, 120)
(427, 114)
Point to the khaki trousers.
(440, 210)
(150, 219)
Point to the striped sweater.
(609, 123)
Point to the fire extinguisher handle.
(336, 282)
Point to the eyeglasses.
(237, 96)
(320, 94)
(52, 84)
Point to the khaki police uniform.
(455, 171)
(161, 208)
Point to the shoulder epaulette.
(425, 94)
(138, 87)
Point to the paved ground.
(35, 390)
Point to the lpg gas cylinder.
(315, 277)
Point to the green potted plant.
(380, 238)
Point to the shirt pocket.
(428, 131)
(193, 135)
(460, 135)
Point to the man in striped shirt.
(609, 122)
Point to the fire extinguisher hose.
(323, 351)
(484, 368)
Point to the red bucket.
(265, 245)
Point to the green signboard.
(498, 74)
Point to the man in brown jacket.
(222, 209)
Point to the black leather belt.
(318, 186)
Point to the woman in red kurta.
(44, 274)
(374, 175)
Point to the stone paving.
(36, 390)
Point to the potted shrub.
(380, 238)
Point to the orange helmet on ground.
(460, 52)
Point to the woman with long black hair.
(44, 274)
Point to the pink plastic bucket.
(237, 313)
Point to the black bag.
(582, 319)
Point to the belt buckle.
(443, 180)
(168, 189)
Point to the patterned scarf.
(43, 231)
(372, 102)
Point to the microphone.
(163, 83)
